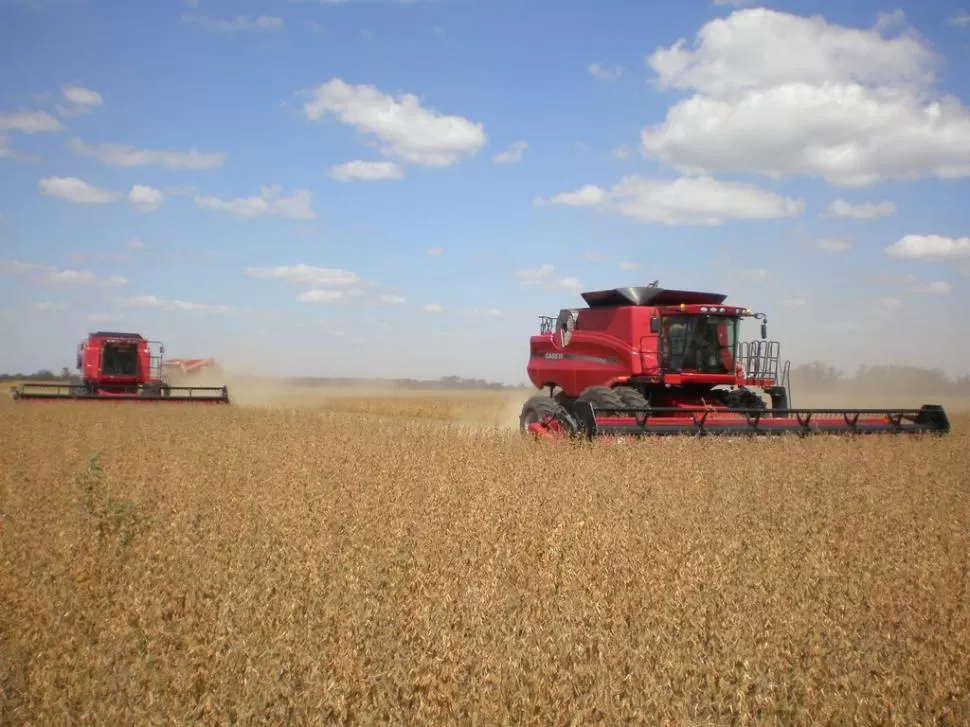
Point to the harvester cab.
(121, 366)
(651, 360)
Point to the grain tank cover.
(116, 334)
(649, 296)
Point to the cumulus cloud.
(5, 151)
(269, 203)
(29, 122)
(433, 308)
(861, 211)
(321, 296)
(365, 171)
(833, 244)
(303, 274)
(44, 273)
(537, 275)
(683, 201)
(79, 100)
(778, 94)
(154, 302)
(930, 248)
(406, 129)
(126, 155)
(77, 190)
(145, 199)
(513, 154)
(603, 73)
(236, 24)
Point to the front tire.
(543, 415)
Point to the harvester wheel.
(603, 396)
(632, 397)
(744, 399)
(543, 415)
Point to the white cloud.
(488, 312)
(405, 129)
(762, 49)
(960, 20)
(434, 251)
(511, 155)
(145, 198)
(5, 151)
(683, 201)
(46, 306)
(77, 191)
(861, 211)
(82, 100)
(366, 171)
(794, 302)
(628, 265)
(29, 122)
(778, 94)
(268, 203)
(930, 248)
(126, 155)
(105, 317)
(305, 275)
(937, 287)
(393, 299)
(755, 275)
(432, 308)
(605, 74)
(570, 283)
(535, 276)
(151, 301)
(58, 276)
(136, 245)
(832, 244)
(84, 278)
(240, 22)
(321, 296)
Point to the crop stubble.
(390, 560)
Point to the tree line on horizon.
(814, 377)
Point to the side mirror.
(655, 325)
(764, 330)
(161, 349)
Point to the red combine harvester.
(648, 361)
(124, 367)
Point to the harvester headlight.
(683, 306)
(704, 309)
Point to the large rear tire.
(632, 397)
(602, 397)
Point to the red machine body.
(649, 360)
(116, 365)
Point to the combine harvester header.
(649, 361)
(125, 367)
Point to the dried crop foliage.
(363, 563)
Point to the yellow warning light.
(683, 306)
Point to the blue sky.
(186, 170)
